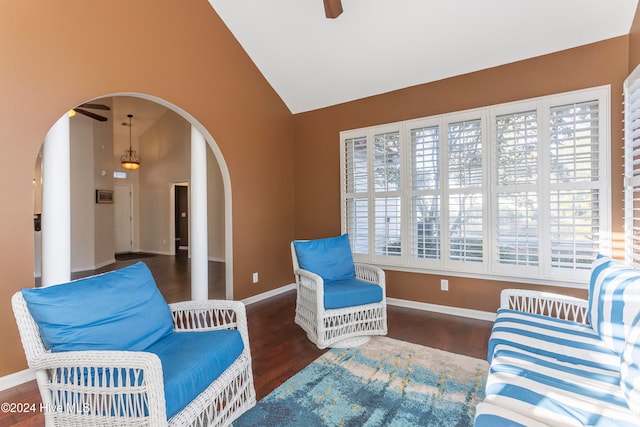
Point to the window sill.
(563, 283)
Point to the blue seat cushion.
(350, 292)
(329, 258)
(118, 310)
(193, 360)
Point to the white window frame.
(489, 268)
(632, 167)
(503, 269)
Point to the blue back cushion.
(329, 258)
(614, 300)
(118, 310)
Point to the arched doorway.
(161, 157)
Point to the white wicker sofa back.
(108, 350)
(557, 360)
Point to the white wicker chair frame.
(343, 327)
(125, 388)
(545, 303)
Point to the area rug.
(384, 382)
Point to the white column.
(56, 204)
(198, 241)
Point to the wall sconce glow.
(72, 113)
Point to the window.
(518, 190)
(517, 207)
(386, 177)
(632, 167)
(464, 184)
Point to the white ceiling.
(145, 114)
(378, 46)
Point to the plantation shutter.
(575, 195)
(517, 189)
(465, 180)
(632, 167)
(386, 176)
(425, 189)
(356, 182)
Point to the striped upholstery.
(488, 415)
(564, 340)
(614, 300)
(630, 369)
(554, 371)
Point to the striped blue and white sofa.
(563, 361)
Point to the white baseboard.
(15, 379)
(153, 251)
(443, 309)
(86, 268)
(424, 306)
(105, 263)
(263, 296)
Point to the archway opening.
(160, 133)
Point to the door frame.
(172, 215)
(131, 214)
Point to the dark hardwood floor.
(279, 348)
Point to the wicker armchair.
(340, 327)
(126, 388)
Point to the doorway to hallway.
(181, 210)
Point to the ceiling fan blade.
(332, 8)
(90, 114)
(95, 106)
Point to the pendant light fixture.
(130, 159)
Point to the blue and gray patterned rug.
(385, 382)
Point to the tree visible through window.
(517, 190)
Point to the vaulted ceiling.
(377, 46)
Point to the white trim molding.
(443, 309)
(16, 379)
(265, 295)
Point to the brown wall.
(56, 55)
(317, 155)
(634, 42)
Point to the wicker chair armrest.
(210, 315)
(546, 303)
(314, 283)
(102, 373)
(370, 273)
(310, 280)
(100, 359)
